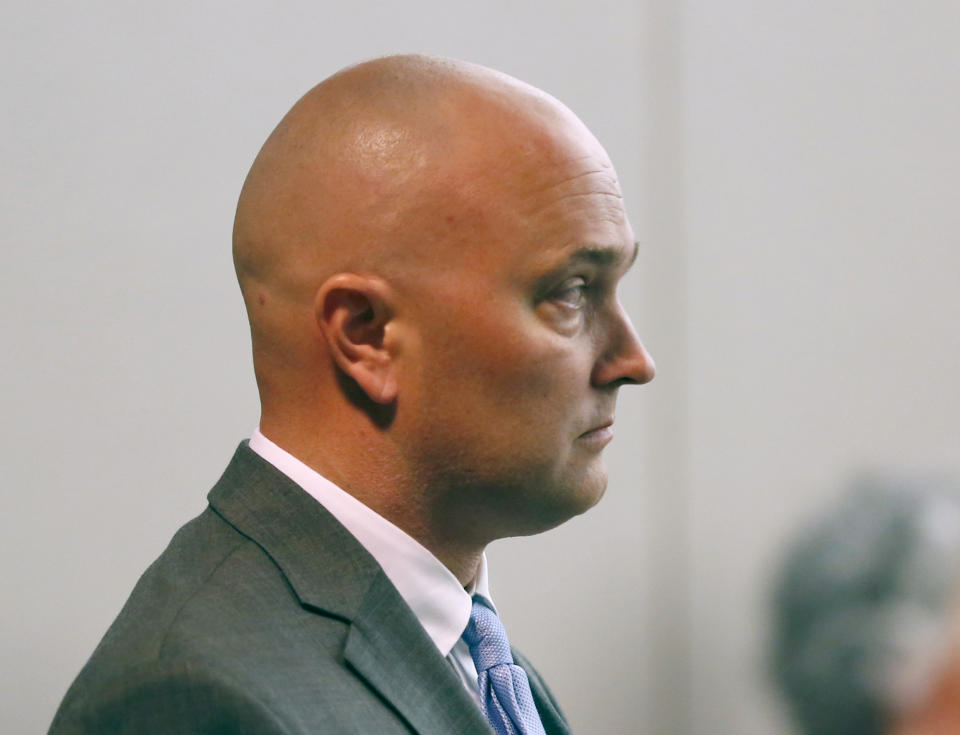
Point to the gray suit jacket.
(264, 615)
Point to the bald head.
(378, 153)
(382, 169)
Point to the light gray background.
(791, 169)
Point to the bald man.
(428, 252)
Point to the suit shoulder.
(181, 595)
(190, 563)
(174, 697)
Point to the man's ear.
(354, 314)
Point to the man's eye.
(572, 293)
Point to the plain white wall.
(823, 279)
(127, 130)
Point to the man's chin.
(569, 502)
(594, 489)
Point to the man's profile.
(428, 252)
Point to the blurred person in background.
(866, 633)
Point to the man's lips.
(605, 425)
(600, 434)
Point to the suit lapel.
(553, 721)
(332, 574)
(388, 648)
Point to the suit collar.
(428, 587)
(332, 574)
(327, 568)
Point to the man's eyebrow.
(603, 255)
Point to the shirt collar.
(431, 591)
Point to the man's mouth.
(600, 434)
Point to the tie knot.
(486, 638)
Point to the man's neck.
(399, 501)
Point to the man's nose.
(626, 359)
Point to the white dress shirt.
(435, 596)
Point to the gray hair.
(862, 606)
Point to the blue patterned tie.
(504, 689)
